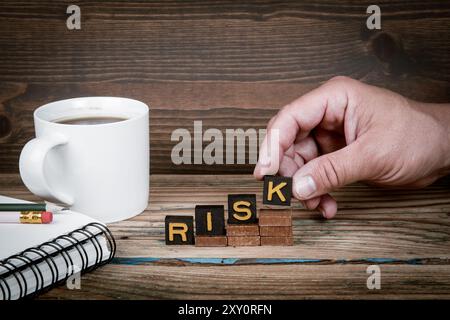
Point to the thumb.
(330, 171)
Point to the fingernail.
(266, 165)
(322, 211)
(305, 187)
(264, 160)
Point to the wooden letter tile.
(275, 231)
(210, 220)
(268, 217)
(242, 230)
(244, 241)
(277, 190)
(179, 230)
(211, 241)
(242, 208)
(277, 241)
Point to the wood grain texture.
(211, 241)
(280, 217)
(231, 64)
(273, 231)
(277, 241)
(406, 232)
(239, 230)
(244, 241)
(259, 282)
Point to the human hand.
(347, 131)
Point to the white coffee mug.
(101, 170)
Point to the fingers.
(327, 206)
(328, 172)
(326, 105)
(288, 167)
(312, 204)
(329, 141)
(307, 149)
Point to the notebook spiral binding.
(48, 251)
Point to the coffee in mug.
(92, 155)
(89, 120)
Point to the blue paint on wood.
(390, 260)
(284, 261)
(382, 260)
(210, 260)
(236, 261)
(415, 261)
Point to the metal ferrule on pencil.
(31, 217)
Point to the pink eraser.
(47, 217)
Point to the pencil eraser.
(47, 217)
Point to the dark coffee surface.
(90, 120)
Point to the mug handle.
(31, 166)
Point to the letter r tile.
(179, 230)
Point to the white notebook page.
(17, 237)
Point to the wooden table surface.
(405, 232)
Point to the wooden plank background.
(231, 64)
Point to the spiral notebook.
(34, 258)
